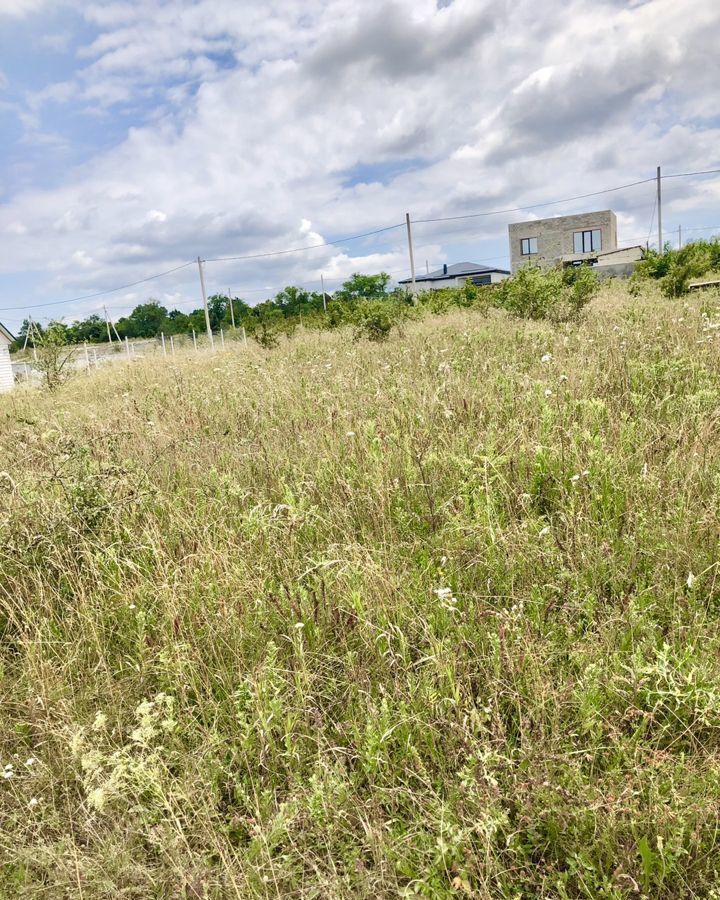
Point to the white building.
(6, 373)
(455, 276)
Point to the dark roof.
(8, 334)
(453, 271)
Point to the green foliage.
(53, 357)
(432, 617)
(375, 319)
(557, 294)
(675, 269)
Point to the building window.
(528, 246)
(587, 241)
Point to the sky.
(141, 134)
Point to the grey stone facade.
(554, 239)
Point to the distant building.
(455, 276)
(564, 240)
(618, 263)
(6, 373)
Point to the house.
(6, 373)
(617, 263)
(563, 240)
(455, 276)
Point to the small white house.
(7, 380)
(455, 276)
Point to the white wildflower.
(548, 392)
(33, 802)
(30, 761)
(544, 531)
(563, 378)
(690, 580)
(546, 358)
(349, 434)
(575, 478)
(299, 625)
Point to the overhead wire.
(371, 233)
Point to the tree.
(54, 355)
(363, 287)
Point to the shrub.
(53, 356)
(675, 269)
(375, 319)
(555, 294)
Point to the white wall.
(6, 373)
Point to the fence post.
(87, 358)
(222, 339)
(162, 337)
(127, 346)
(194, 339)
(244, 336)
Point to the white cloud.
(264, 126)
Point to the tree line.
(151, 319)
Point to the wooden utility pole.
(204, 299)
(107, 324)
(659, 210)
(232, 311)
(322, 287)
(410, 251)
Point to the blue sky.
(137, 135)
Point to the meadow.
(435, 616)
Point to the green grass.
(432, 617)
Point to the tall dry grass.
(429, 618)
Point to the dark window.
(587, 241)
(528, 246)
(481, 279)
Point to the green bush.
(557, 294)
(675, 269)
(375, 319)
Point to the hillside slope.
(432, 617)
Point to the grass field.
(436, 617)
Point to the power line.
(621, 187)
(354, 237)
(114, 290)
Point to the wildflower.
(33, 802)
(8, 771)
(563, 378)
(690, 580)
(444, 593)
(299, 625)
(349, 434)
(544, 531)
(30, 761)
(548, 392)
(100, 721)
(575, 478)
(546, 358)
(131, 606)
(586, 472)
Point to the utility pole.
(204, 298)
(232, 311)
(107, 324)
(322, 286)
(679, 237)
(659, 211)
(412, 258)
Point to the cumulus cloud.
(256, 127)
